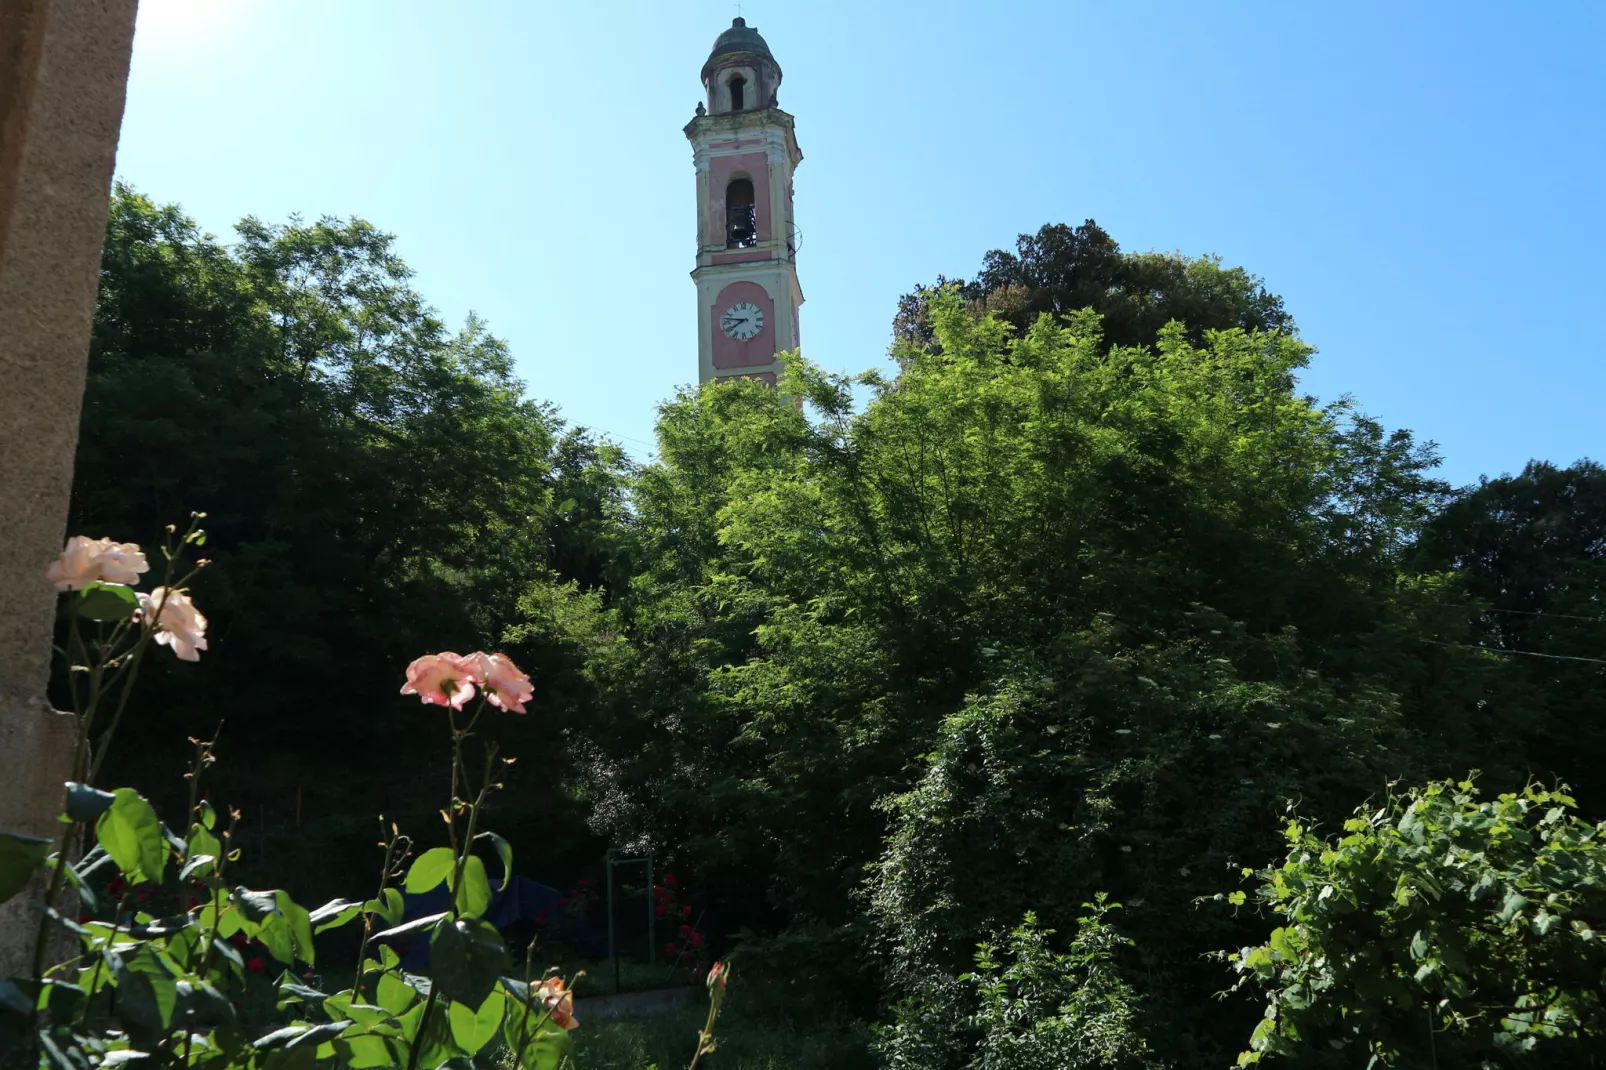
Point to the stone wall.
(63, 75)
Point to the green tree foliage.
(1063, 270)
(375, 484)
(1439, 930)
(1086, 614)
(1529, 551)
(1044, 1010)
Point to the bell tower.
(745, 152)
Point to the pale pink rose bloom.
(560, 1000)
(177, 622)
(87, 561)
(504, 685)
(444, 679)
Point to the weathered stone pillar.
(63, 75)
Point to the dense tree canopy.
(1046, 618)
(375, 485)
(1529, 551)
(1062, 269)
(1077, 604)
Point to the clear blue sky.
(1422, 182)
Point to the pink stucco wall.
(721, 169)
(760, 349)
(741, 256)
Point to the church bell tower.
(745, 152)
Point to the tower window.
(741, 222)
(738, 90)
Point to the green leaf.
(474, 1029)
(435, 1043)
(334, 914)
(275, 936)
(318, 1034)
(256, 906)
(132, 835)
(413, 926)
(465, 958)
(200, 1005)
(19, 857)
(366, 1050)
(475, 897)
(147, 993)
(299, 924)
(504, 851)
(394, 994)
(85, 803)
(279, 1037)
(549, 1049)
(107, 601)
(430, 869)
(395, 906)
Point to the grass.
(633, 977)
(666, 1040)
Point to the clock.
(742, 320)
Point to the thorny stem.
(100, 960)
(203, 758)
(395, 840)
(459, 848)
(59, 875)
(146, 635)
(86, 717)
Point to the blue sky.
(1422, 182)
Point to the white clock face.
(742, 321)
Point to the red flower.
(661, 910)
(256, 965)
(669, 879)
(685, 912)
(83, 918)
(238, 939)
(685, 930)
(563, 902)
(582, 884)
(696, 940)
(669, 949)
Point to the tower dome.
(740, 38)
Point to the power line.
(1524, 653)
(1525, 612)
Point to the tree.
(1529, 555)
(1440, 929)
(375, 485)
(1061, 270)
(1045, 618)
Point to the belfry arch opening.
(738, 88)
(741, 220)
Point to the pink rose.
(504, 685)
(444, 679)
(87, 561)
(177, 622)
